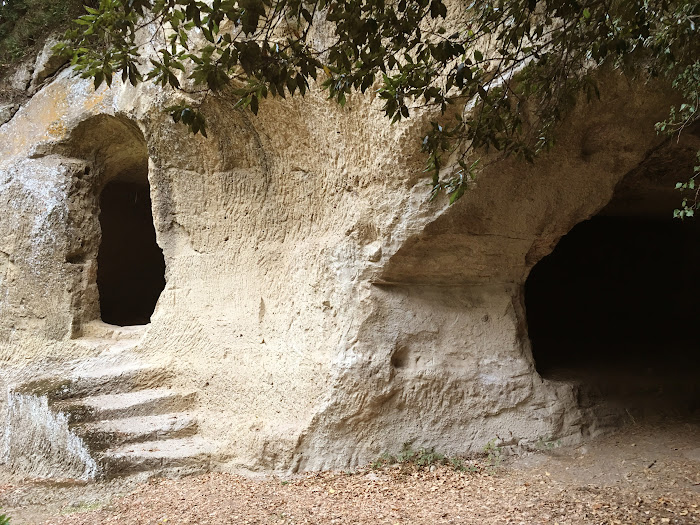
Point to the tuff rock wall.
(321, 307)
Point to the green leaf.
(98, 79)
(254, 104)
(457, 194)
(306, 15)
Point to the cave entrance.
(130, 265)
(616, 307)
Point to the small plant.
(494, 453)
(547, 443)
(426, 458)
(422, 458)
(4, 519)
(383, 460)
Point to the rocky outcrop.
(318, 308)
(47, 63)
(6, 112)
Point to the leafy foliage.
(4, 520)
(688, 83)
(691, 199)
(499, 75)
(24, 23)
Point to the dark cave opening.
(130, 264)
(616, 306)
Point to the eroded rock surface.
(320, 307)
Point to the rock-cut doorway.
(130, 264)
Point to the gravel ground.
(640, 475)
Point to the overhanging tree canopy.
(502, 73)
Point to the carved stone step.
(101, 435)
(96, 377)
(172, 456)
(130, 404)
(126, 418)
(100, 331)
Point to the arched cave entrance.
(616, 308)
(130, 265)
(112, 225)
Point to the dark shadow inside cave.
(616, 306)
(130, 265)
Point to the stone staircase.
(121, 410)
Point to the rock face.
(47, 63)
(317, 307)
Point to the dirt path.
(639, 475)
